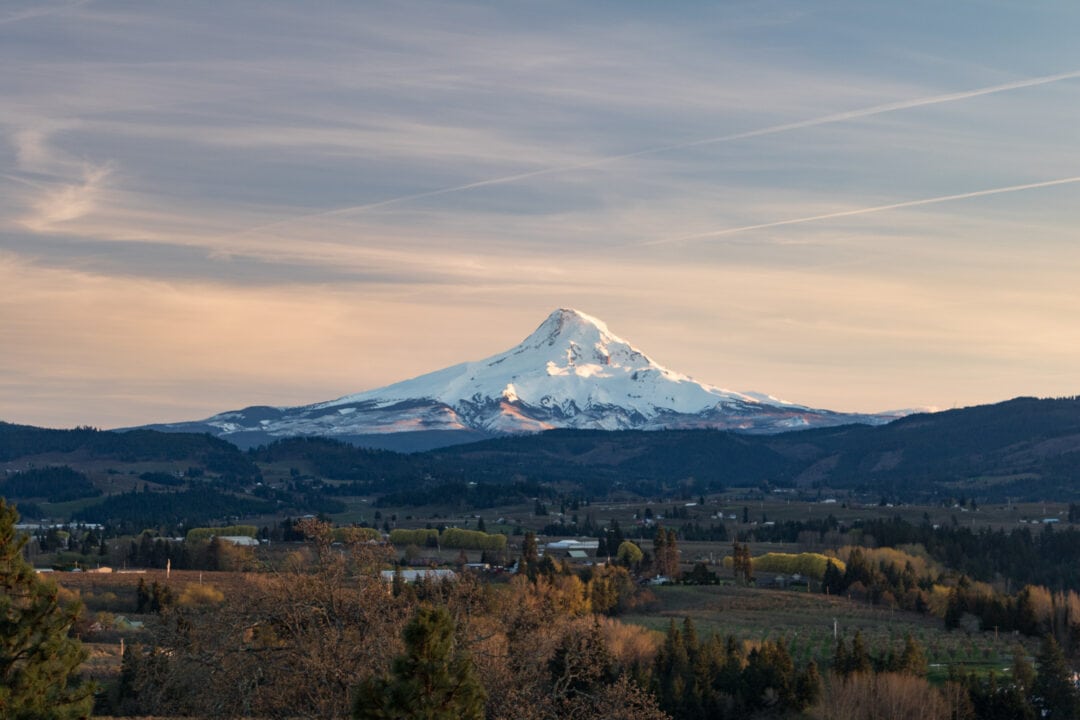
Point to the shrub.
(205, 533)
(201, 596)
(472, 540)
(421, 537)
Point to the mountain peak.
(567, 322)
(570, 372)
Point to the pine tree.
(666, 553)
(1053, 691)
(807, 687)
(833, 581)
(1023, 674)
(530, 555)
(38, 660)
(434, 680)
(859, 660)
(913, 659)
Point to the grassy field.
(810, 622)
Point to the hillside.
(1024, 449)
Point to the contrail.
(868, 210)
(745, 135)
(40, 12)
(28, 183)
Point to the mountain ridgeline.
(1025, 448)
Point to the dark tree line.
(53, 484)
(720, 678)
(131, 512)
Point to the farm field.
(806, 622)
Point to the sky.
(857, 206)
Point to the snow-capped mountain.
(571, 372)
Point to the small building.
(571, 544)
(239, 540)
(411, 576)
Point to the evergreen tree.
(859, 659)
(602, 547)
(434, 680)
(659, 543)
(581, 665)
(807, 687)
(672, 671)
(769, 677)
(1023, 674)
(530, 555)
(666, 550)
(38, 660)
(741, 562)
(1053, 692)
(833, 581)
(841, 661)
(913, 659)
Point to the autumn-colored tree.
(530, 556)
(433, 680)
(913, 658)
(629, 554)
(741, 562)
(294, 641)
(39, 661)
(882, 696)
(666, 553)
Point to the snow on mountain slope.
(570, 372)
(571, 360)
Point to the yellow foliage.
(811, 565)
(939, 600)
(400, 536)
(354, 535)
(200, 596)
(196, 534)
(898, 558)
(67, 597)
(876, 696)
(632, 646)
(1041, 602)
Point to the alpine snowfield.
(571, 372)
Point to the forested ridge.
(1023, 449)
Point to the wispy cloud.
(845, 116)
(324, 176)
(42, 10)
(869, 210)
(64, 203)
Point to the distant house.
(240, 540)
(571, 544)
(122, 623)
(411, 576)
(576, 550)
